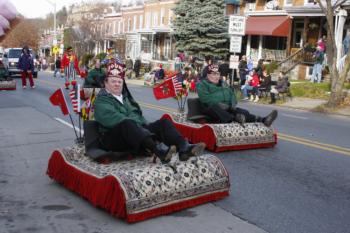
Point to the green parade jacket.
(109, 111)
(210, 94)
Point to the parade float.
(194, 125)
(130, 186)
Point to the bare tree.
(328, 7)
(25, 33)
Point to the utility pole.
(54, 42)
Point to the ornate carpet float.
(139, 189)
(7, 85)
(224, 137)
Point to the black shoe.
(164, 152)
(240, 118)
(270, 118)
(190, 150)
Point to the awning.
(268, 25)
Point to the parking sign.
(235, 44)
(236, 25)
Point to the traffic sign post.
(236, 25)
(235, 44)
(236, 29)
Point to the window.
(115, 27)
(288, 2)
(119, 26)
(155, 19)
(170, 16)
(148, 20)
(162, 16)
(129, 24)
(134, 23)
(146, 43)
(141, 22)
(274, 42)
(308, 2)
(167, 48)
(250, 5)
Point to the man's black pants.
(127, 135)
(220, 115)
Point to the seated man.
(95, 76)
(219, 101)
(122, 126)
(3, 72)
(280, 87)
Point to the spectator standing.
(225, 71)
(137, 67)
(26, 65)
(346, 43)
(57, 67)
(243, 69)
(129, 64)
(317, 68)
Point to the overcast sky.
(40, 8)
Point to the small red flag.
(57, 99)
(164, 90)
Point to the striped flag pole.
(79, 112)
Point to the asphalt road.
(301, 185)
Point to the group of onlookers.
(256, 80)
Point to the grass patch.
(310, 90)
(347, 86)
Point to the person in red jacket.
(252, 85)
(69, 65)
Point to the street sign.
(234, 61)
(55, 49)
(236, 44)
(236, 25)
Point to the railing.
(291, 61)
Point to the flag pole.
(75, 132)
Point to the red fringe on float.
(107, 193)
(8, 89)
(176, 206)
(206, 134)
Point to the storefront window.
(146, 43)
(274, 42)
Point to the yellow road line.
(313, 142)
(315, 145)
(281, 136)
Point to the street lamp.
(53, 3)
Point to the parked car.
(11, 58)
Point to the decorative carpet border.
(207, 133)
(107, 193)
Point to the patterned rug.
(8, 85)
(223, 137)
(138, 189)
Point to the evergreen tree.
(200, 27)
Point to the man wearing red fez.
(122, 126)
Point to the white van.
(11, 58)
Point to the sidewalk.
(296, 102)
